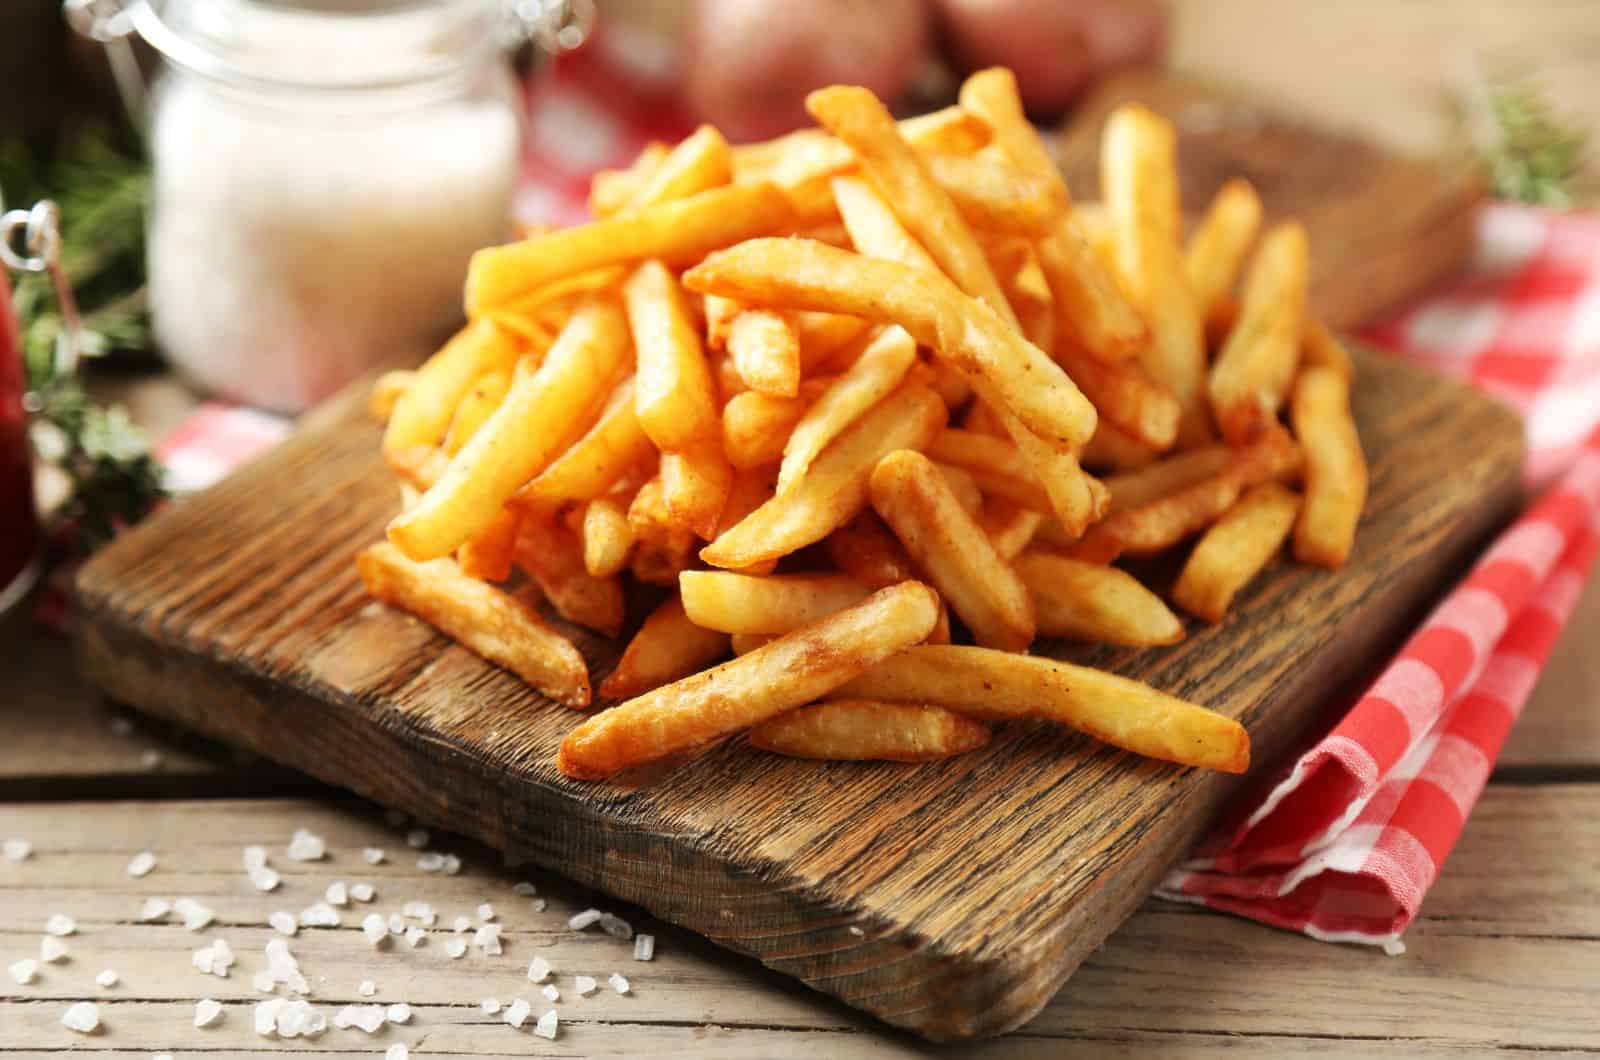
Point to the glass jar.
(323, 170)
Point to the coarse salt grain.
(585, 985)
(550, 992)
(368, 1018)
(24, 971)
(306, 846)
(524, 889)
(84, 1017)
(52, 949)
(107, 978)
(255, 858)
(367, 988)
(399, 1012)
(430, 862)
(585, 919)
(397, 1051)
(644, 947)
(214, 959)
(284, 923)
(516, 1013)
(858, 931)
(485, 911)
(153, 909)
(489, 1006)
(298, 1019)
(283, 966)
(60, 924)
(141, 864)
(266, 1016)
(265, 879)
(417, 911)
(319, 914)
(372, 855)
(461, 924)
(16, 849)
(414, 936)
(195, 916)
(417, 838)
(362, 892)
(452, 865)
(538, 970)
(337, 893)
(619, 983)
(263, 981)
(537, 905)
(456, 948)
(150, 759)
(487, 939)
(397, 924)
(615, 926)
(546, 1027)
(374, 928)
(206, 1012)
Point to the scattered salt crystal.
(206, 1012)
(585, 985)
(546, 1027)
(121, 726)
(150, 759)
(283, 966)
(84, 1017)
(517, 1012)
(538, 970)
(399, 1012)
(396, 818)
(587, 918)
(397, 924)
(417, 911)
(255, 858)
(214, 959)
(263, 981)
(485, 911)
(372, 855)
(397, 1051)
(284, 923)
(430, 862)
(489, 1006)
(266, 1016)
(24, 971)
(16, 849)
(52, 949)
(456, 948)
(452, 865)
(461, 924)
(60, 924)
(367, 988)
(417, 838)
(374, 928)
(368, 1018)
(107, 978)
(337, 893)
(615, 926)
(362, 892)
(487, 939)
(319, 914)
(298, 1019)
(619, 983)
(265, 879)
(153, 909)
(195, 916)
(1394, 947)
(551, 993)
(524, 889)
(141, 864)
(306, 846)
(857, 931)
(644, 947)
(538, 905)
(414, 936)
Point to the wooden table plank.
(1504, 954)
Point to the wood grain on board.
(951, 899)
(1384, 225)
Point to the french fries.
(611, 190)
(614, 446)
(478, 404)
(667, 648)
(1335, 468)
(1234, 550)
(701, 162)
(741, 603)
(916, 502)
(697, 711)
(865, 549)
(695, 483)
(873, 227)
(757, 427)
(766, 351)
(998, 197)
(998, 686)
(487, 554)
(553, 556)
(673, 396)
(1157, 480)
(1093, 602)
(495, 625)
(422, 412)
(1253, 371)
(386, 392)
(1217, 249)
(873, 376)
(1320, 348)
(855, 730)
(607, 537)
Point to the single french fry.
(865, 549)
(1165, 477)
(766, 351)
(757, 427)
(609, 450)
(487, 554)
(1216, 251)
(494, 624)
(700, 162)
(386, 392)
(1253, 372)
(695, 482)
(835, 488)
(1009, 526)
(422, 414)
(673, 395)
(675, 231)
(662, 549)
(744, 603)
(745, 643)
(611, 190)
(1139, 179)
(1124, 395)
(825, 338)
(607, 537)
(1335, 470)
(997, 196)
(809, 153)
(1093, 602)
(752, 487)
(999, 686)
(1321, 348)
(916, 502)
(552, 555)
(719, 313)
(873, 376)
(667, 648)
(1089, 305)
(864, 730)
(808, 275)
(476, 407)
(994, 463)
(700, 710)
(540, 414)
(1112, 449)
(962, 486)
(873, 227)
(1235, 550)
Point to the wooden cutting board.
(951, 899)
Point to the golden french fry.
(1216, 251)
(662, 549)
(1139, 179)
(745, 643)
(537, 419)
(1124, 395)
(1112, 449)
(1335, 470)
(744, 603)
(673, 395)
(386, 392)
(611, 190)
(998, 196)
(1157, 480)
(1235, 550)
(756, 427)
(797, 668)
(487, 554)
(667, 648)
(1321, 348)
(419, 467)
(826, 338)
(476, 407)
(766, 351)
(835, 488)
(865, 549)
(1093, 602)
(695, 482)
(873, 227)
(962, 486)
(614, 446)
(916, 502)
(719, 313)
(1088, 303)
(607, 537)
(752, 487)
(422, 414)
(864, 730)
(994, 463)
(1252, 374)
(808, 275)
(999, 686)
(679, 230)
(1008, 525)
(873, 376)
(552, 555)
(700, 162)
(806, 154)
(485, 620)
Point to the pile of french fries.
(836, 394)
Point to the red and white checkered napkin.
(1345, 843)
